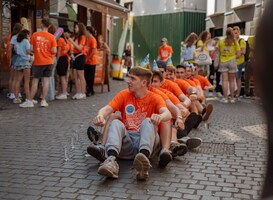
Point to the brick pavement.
(32, 164)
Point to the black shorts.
(42, 71)
(79, 62)
(62, 66)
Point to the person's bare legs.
(45, 87)
(27, 82)
(63, 84)
(239, 86)
(231, 80)
(165, 134)
(77, 81)
(34, 86)
(11, 79)
(18, 80)
(225, 83)
(80, 74)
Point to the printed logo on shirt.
(130, 109)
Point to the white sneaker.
(11, 96)
(67, 94)
(34, 101)
(61, 96)
(81, 96)
(109, 167)
(232, 100)
(16, 101)
(26, 104)
(76, 96)
(44, 103)
(224, 100)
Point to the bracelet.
(179, 117)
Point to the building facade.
(222, 14)
(154, 19)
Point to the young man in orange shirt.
(135, 135)
(44, 47)
(164, 51)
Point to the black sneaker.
(97, 152)
(178, 149)
(93, 135)
(193, 142)
(164, 158)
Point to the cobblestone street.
(230, 164)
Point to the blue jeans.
(51, 88)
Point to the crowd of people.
(225, 60)
(155, 114)
(38, 56)
(163, 103)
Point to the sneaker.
(142, 166)
(26, 104)
(81, 96)
(11, 96)
(16, 101)
(76, 96)
(232, 100)
(92, 134)
(164, 158)
(44, 103)
(191, 143)
(109, 167)
(8, 94)
(97, 152)
(224, 100)
(219, 95)
(67, 94)
(208, 112)
(34, 101)
(178, 149)
(61, 96)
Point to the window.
(210, 7)
(129, 6)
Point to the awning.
(109, 7)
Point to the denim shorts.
(240, 70)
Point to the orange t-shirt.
(81, 42)
(204, 81)
(42, 43)
(184, 85)
(172, 87)
(160, 93)
(134, 110)
(197, 82)
(191, 82)
(164, 52)
(171, 96)
(65, 47)
(92, 44)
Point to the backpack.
(247, 50)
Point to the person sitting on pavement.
(135, 136)
(178, 135)
(173, 87)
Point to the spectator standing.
(229, 50)
(62, 63)
(44, 46)
(12, 54)
(79, 51)
(91, 60)
(127, 56)
(164, 51)
(241, 60)
(22, 64)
